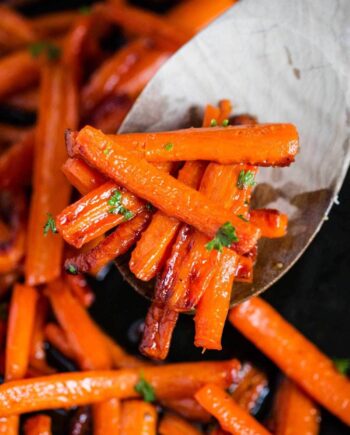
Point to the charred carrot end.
(159, 326)
(82, 176)
(106, 417)
(231, 417)
(138, 417)
(271, 222)
(38, 425)
(173, 425)
(294, 412)
(188, 408)
(313, 372)
(80, 388)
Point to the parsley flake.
(213, 123)
(168, 146)
(107, 150)
(242, 217)
(245, 179)
(224, 236)
(72, 269)
(342, 365)
(115, 199)
(145, 389)
(43, 47)
(117, 207)
(50, 225)
(225, 122)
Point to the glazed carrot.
(163, 191)
(296, 356)
(115, 244)
(9, 425)
(231, 417)
(106, 417)
(171, 424)
(149, 254)
(27, 100)
(57, 337)
(294, 413)
(38, 425)
(15, 27)
(10, 134)
(20, 329)
(244, 271)
(53, 24)
(79, 388)
(271, 222)
(17, 71)
(94, 214)
(80, 289)
(16, 163)
(159, 325)
(213, 306)
(81, 176)
(188, 408)
(138, 418)
(51, 189)
(82, 333)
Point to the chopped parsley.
(225, 122)
(225, 236)
(43, 47)
(242, 217)
(85, 10)
(213, 123)
(107, 150)
(145, 389)
(117, 207)
(245, 179)
(168, 146)
(50, 225)
(72, 269)
(342, 365)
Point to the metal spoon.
(281, 61)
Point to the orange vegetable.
(231, 417)
(10, 134)
(244, 271)
(80, 289)
(173, 425)
(163, 191)
(27, 100)
(57, 337)
(138, 418)
(81, 176)
(297, 357)
(294, 413)
(106, 417)
(14, 27)
(188, 408)
(38, 425)
(83, 335)
(9, 425)
(79, 388)
(272, 223)
(51, 190)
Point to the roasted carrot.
(11, 134)
(106, 417)
(138, 418)
(16, 163)
(53, 24)
(27, 100)
(294, 412)
(159, 325)
(51, 189)
(111, 247)
(82, 176)
(271, 222)
(17, 71)
(296, 356)
(80, 289)
(14, 27)
(244, 271)
(82, 333)
(163, 191)
(79, 388)
(38, 425)
(188, 408)
(231, 417)
(9, 425)
(171, 424)
(57, 337)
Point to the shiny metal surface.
(281, 61)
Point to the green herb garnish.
(213, 123)
(85, 10)
(145, 389)
(245, 179)
(225, 122)
(168, 146)
(115, 199)
(43, 47)
(117, 207)
(225, 236)
(242, 217)
(107, 150)
(50, 225)
(72, 269)
(342, 365)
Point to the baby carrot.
(80, 289)
(81, 176)
(272, 223)
(231, 417)
(38, 425)
(27, 100)
(106, 417)
(172, 424)
(80, 388)
(189, 408)
(15, 26)
(296, 356)
(163, 191)
(138, 418)
(57, 337)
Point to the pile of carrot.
(74, 196)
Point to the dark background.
(314, 296)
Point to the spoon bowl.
(280, 61)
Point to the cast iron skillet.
(314, 295)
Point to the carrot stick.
(305, 364)
(294, 413)
(51, 189)
(57, 337)
(80, 388)
(231, 417)
(138, 418)
(244, 271)
(159, 326)
(272, 223)
(171, 424)
(10, 134)
(17, 71)
(184, 202)
(188, 408)
(9, 425)
(15, 26)
(81, 176)
(16, 163)
(26, 100)
(115, 244)
(80, 289)
(106, 417)
(38, 425)
(53, 24)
